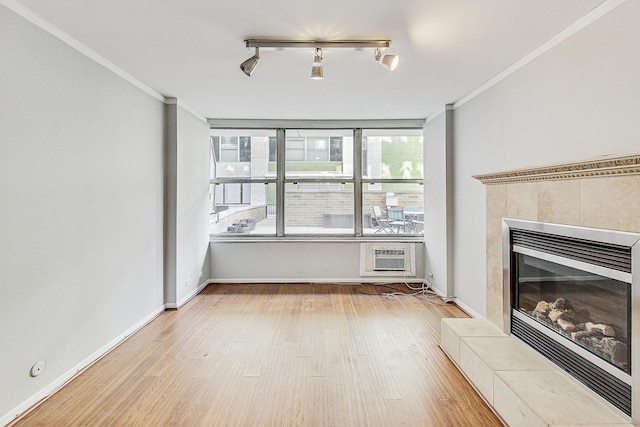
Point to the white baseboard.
(467, 309)
(436, 290)
(188, 297)
(471, 312)
(71, 373)
(336, 280)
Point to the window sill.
(316, 238)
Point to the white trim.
(191, 111)
(464, 307)
(598, 12)
(45, 25)
(189, 296)
(215, 239)
(436, 114)
(315, 124)
(440, 111)
(306, 280)
(71, 373)
(178, 103)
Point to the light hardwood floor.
(277, 355)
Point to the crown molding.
(628, 164)
(56, 32)
(316, 124)
(598, 12)
(595, 14)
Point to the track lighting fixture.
(389, 61)
(316, 69)
(249, 65)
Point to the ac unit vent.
(389, 260)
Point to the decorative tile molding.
(611, 165)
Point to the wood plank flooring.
(277, 355)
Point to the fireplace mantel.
(603, 166)
(603, 193)
(599, 193)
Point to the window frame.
(281, 180)
(332, 155)
(239, 148)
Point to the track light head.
(389, 61)
(249, 65)
(317, 69)
(317, 72)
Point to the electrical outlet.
(187, 283)
(37, 368)
(200, 276)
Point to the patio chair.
(382, 221)
(414, 219)
(396, 220)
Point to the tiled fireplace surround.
(598, 193)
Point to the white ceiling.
(192, 49)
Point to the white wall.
(186, 188)
(295, 261)
(192, 213)
(437, 239)
(81, 210)
(578, 101)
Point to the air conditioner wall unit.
(387, 259)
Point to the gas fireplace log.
(600, 328)
(617, 350)
(556, 314)
(558, 304)
(609, 347)
(620, 356)
(597, 337)
(580, 335)
(566, 325)
(542, 310)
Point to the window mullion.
(327, 167)
(280, 171)
(357, 177)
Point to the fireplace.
(569, 294)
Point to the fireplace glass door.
(590, 310)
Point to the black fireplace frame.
(607, 253)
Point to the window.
(234, 194)
(335, 149)
(311, 149)
(318, 192)
(329, 182)
(317, 149)
(392, 172)
(295, 149)
(272, 148)
(232, 148)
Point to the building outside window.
(311, 149)
(232, 148)
(358, 182)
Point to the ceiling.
(192, 49)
